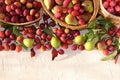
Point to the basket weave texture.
(79, 27)
(115, 19)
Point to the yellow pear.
(49, 4)
(75, 1)
(69, 19)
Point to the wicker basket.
(106, 14)
(79, 27)
(25, 23)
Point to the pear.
(49, 4)
(75, 1)
(89, 45)
(80, 39)
(28, 42)
(71, 20)
(88, 5)
(55, 42)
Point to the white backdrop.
(73, 65)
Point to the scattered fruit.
(55, 42)
(46, 37)
(32, 53)
(61, 51)
(28, 42)
(19, 39)
(18, 48)
(54, 53)
(74, 47)
(101, 45)
(79, 39)
(42, 48)
(6, 46)
(89, 45)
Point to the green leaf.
(104, 36)
(81, 0)
(95, 40)
(15, 31)
(93, 24)
(99, 18)
(21, 43)
(24, 46)
(48, 31)
(107, 26)
(110, 57)
(6, 26)
(95, 31)
(89, 35)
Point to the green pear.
(28, 42)
(49, 4)
(89, 45)
(79, 39)
(55, 42)
(88, 5)
(71, 20)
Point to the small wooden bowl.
(115, 19)
(25, 23)
(79, 27)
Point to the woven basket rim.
(95, 12)
(105, 13)
(25, 23)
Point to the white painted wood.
(73, 65)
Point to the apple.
(101, 45)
